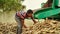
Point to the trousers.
(19, 27)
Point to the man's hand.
(22, 21)
(35, 22)
(25, 26)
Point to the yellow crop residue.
(42, 27)
(46, 27)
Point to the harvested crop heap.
(8, 28)
(46, 27)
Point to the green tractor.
(52, 11)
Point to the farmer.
(48, 4)
(20, 16)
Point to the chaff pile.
(46, 27)
(8, 28)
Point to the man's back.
(21, 14)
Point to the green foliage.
(8, 5)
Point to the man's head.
(50, 1)
(29, 13)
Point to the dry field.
(42, 27)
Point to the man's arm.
(22, 21)
(33, 20)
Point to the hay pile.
(46, 27)
(8, 28)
